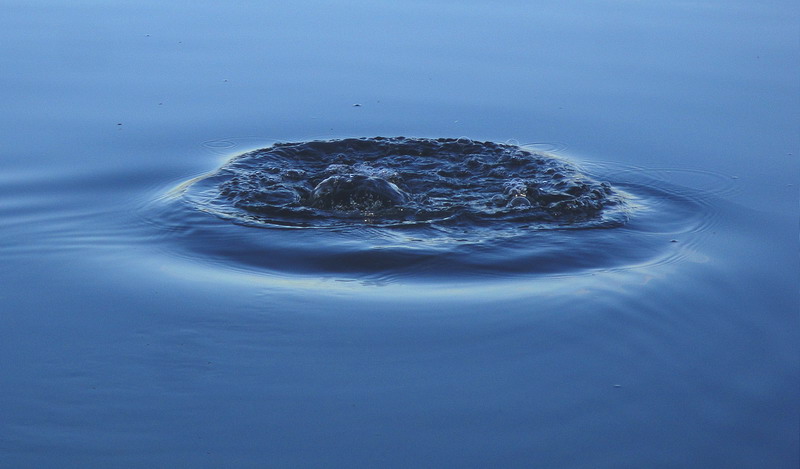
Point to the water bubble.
(519, 202)
(498, 200)
(356, 192)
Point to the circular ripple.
(391, 208)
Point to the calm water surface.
(139, 330)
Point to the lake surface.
(138, 328)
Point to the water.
(401, 181)
(147, 322)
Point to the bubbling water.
(406, 181)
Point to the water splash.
(400, 181)
(413, 209)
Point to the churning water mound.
(406, 181)
(387, 209)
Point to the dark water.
(180, 288)
(378, 206)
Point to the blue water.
(139, 331)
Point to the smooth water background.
(120, 348)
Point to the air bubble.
(519, 202)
